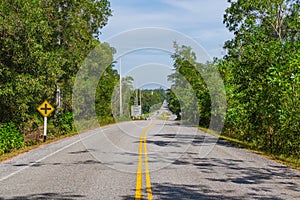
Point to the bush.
(64, 121)
(107, 120)
(10, 138)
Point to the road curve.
(182, 163)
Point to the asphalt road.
(148, 159)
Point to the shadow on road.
(40, 164)
(259, 180)
(56, 196)
(168, 191)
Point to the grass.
(16, 152)
(164, 116)
(50, 139)
(285, 160)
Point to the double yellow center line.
(139, 174)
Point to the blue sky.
(200, 20)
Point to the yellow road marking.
(148, 182)
(139, 174)
(139, 177)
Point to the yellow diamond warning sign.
(45, 108)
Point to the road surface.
(145, 159)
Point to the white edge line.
(47, 156)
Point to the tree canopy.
(42, 46)
(261, 74)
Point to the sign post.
(45, 109)
(45, 129)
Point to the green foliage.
(174, 104)
(152, 99)
(10, 138)
(42, 45)
(261, 73)
(104, 94)
(164, 116)
(191, 92)
(64, 121)
(184, 78)
(127, 92)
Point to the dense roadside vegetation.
(152, 100)
(42, 46)
(261, 73)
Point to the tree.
(127, 91)
(152, 99)
(189, 97)
(42, 46)
(258, 73)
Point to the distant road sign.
(136, 111)
(45, 108)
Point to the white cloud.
(194, 6)
(199, 19)
(172, 13)
(205, 10)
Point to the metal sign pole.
(45, 129)
(121, 100)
